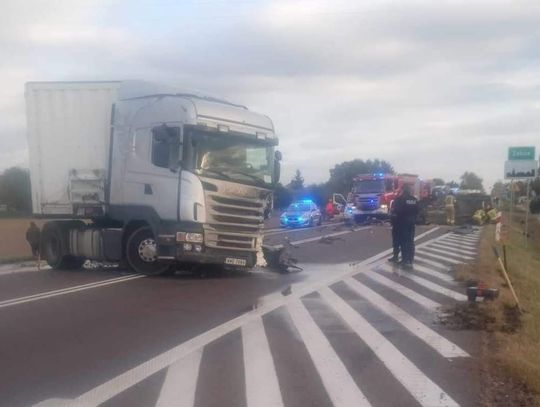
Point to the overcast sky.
(436, 88)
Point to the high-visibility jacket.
(449, 200)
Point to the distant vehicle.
(301, 213)
(372, 195)
(160, 177)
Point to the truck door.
(153, 168)
(339, 202)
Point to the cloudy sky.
(435, 87)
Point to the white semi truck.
(148, 176)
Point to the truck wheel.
(55, 249)
(141, 253)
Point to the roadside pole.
(527, 215)
(511, 203)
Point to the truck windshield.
(234, 158)
(368, 185)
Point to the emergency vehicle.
(372, 195)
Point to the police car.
(301, 213)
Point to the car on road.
(301, 213)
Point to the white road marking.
(178, 388)
(452, 247)
(440, 266)
(423, 252)
(69, 290)
(316, 238)
(129, 378)
(262, 386)
(407, 292)
(415, 327)
(448, 252)
(339, 384)
(437, 274)
(427, 284)
(471, 246)
(464, 238)
(425, 391)
(279, 231)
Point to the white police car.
(301, 213)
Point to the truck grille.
(233, 223)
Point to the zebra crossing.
(365, 339)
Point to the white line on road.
(463, 238)
(452, 247)
(405, 291)
(316, 238)
(55, 293)
(448, 252)
(116, 385)
(339, 384)
(180, 383)
(437, 274)
(425, 252)
(415, 327)
(440, 266)
(262, 386)
(279, 231)
(426, 284)
(425, 391)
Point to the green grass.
(521, 351)
(15, 259)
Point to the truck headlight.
(194, 237)
(189, 237)
(384, 206)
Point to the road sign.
(520, 169)
(521, 153)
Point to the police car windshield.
(299, 207)
(368, 185)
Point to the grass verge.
(511, 343)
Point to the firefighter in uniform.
(406, 212)
(450, 208)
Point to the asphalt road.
(348, 330)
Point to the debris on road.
(280, 259)
(330, 239)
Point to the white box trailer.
(69, 129)
(157, 175)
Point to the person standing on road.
(329, 209)
(406, 213)
(33, 237)
(450, 208)
(396, 243)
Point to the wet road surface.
(349, 329)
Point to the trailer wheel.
(55, 249)
(141, 253)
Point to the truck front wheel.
(141, 253)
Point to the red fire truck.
(372, 195)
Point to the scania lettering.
(146, 175)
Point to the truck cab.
(185, 179)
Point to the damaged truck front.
(145, 175)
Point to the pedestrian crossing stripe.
(262, 386)
(452, 247)
(448, 253)
(425, 253)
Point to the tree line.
(15, 192)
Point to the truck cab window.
(165, 146)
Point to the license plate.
(235, 262)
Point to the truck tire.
(55, 247)
(141, 253)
